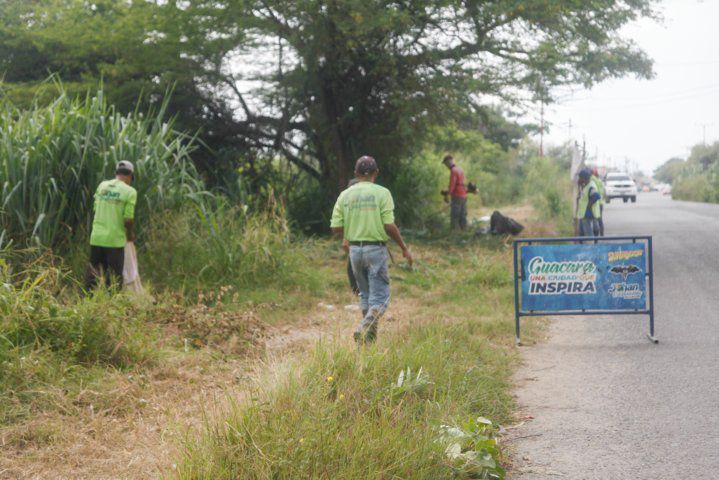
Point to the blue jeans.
(587, 227)
(369, 265)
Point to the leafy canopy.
(320, 82)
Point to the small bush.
(50, 337)
(548, 186)
(694, 187)
(416, 185)
(197, 250)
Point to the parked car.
(620, 185)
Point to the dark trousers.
(105, 261)
(458, 213)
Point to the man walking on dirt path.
(587, 205)
(112, 226)
(458, 194)
(364, 215)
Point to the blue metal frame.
(518, 272)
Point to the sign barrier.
(583, 276)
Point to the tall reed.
(52, 157)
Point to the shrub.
(52, 339)
(198, 250)
(39, 312)
(549, 187)
(416, 187)
(694, 187)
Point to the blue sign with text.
(559, 278)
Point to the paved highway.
(608, 404)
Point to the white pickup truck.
(620, 185)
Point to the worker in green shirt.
(112, 226)
(587, 205)
(364, 216)
(600, 188)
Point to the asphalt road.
(608, 404)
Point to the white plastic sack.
(130, 271)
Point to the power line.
(662, 96)
(658, 102)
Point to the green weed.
(193, 251)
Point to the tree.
(670, 170)
(321, 82)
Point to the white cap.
(125, 165)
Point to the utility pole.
(704, 131)
(541, 129)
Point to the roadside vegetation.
(223, 278)
(695, 179)
(244, 119)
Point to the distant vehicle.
(664, 188)
(620, 185)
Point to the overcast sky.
(650, 121)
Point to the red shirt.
(457, 188)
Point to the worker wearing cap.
(457, 192)
(112, 225)
(587, 205)
(600, 188)
(364, 215)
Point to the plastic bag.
(130, 271)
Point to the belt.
(363, 244)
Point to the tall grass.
(193, 250)
(53, 157)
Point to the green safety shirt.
(589, 189)
(363, 210)
(114, 203)
(600, 186)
